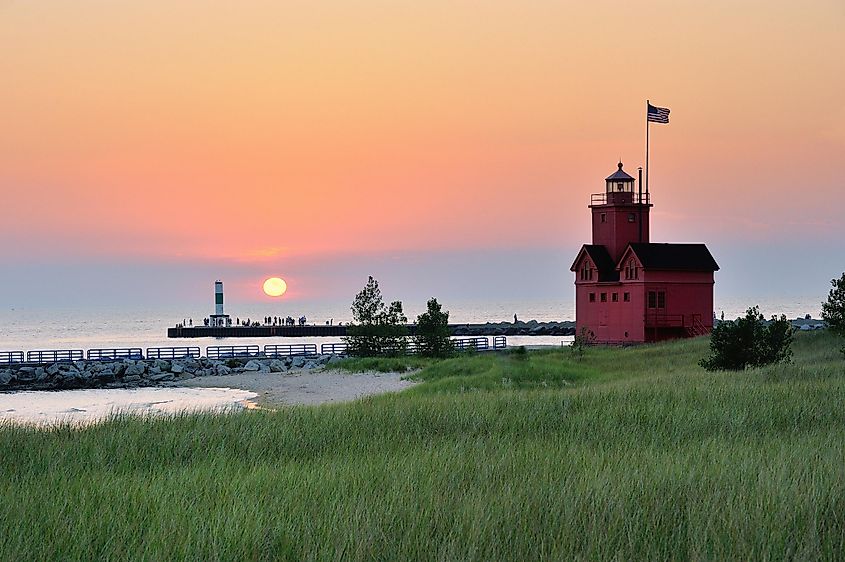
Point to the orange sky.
(260, 130)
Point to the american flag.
(658, 114)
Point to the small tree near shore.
(833, 310)
(432, 335)
(376, 329)
(749, 342)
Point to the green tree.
(433, 333)
(376, 329)
(833, 310)
(749, 342)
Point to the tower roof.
(619, 175)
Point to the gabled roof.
(679, 257)
(601, 258)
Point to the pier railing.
(230, 351)
(183, 352)
(290, 350)
(55, 356)
(500, 342)
(11, 357)
(115, 353)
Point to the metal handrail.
(10, 357)
(229, 351)
(333, 349)
(115, 353)
(290, 350)
(179, 352)
(55, 356)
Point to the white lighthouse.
(219, 319)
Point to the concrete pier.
(532, 328)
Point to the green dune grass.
(626, 454)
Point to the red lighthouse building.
(629, 290)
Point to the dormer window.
(631, 270)
(586, 272)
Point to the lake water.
(92, 405)
(133, 326)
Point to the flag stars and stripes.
(658, 114)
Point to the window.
(626, 297)
(631, 270)
(604, 217)
(592, 297)
(586, 272)
(615, 297)
(657, 299)
(604, 297)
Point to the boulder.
(177, 368)
(106, 375)
(5, 377)
(185, 376)
(135, 369)
(222, 369)
(154, 370)
(162, 365)
(132, 378)
(334, 359)
(252, 365)
(53, 369)
(26, 374)
(298, 362)
(41, 374)
(159, 377)
(311, 365)
(277, 366)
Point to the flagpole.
(646, 147)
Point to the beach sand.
(305, 386)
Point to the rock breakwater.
(129, 373)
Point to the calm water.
(89, 406)
(30, 328)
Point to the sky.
(448, 147)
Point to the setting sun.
(275, 287)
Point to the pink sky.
(272, 133)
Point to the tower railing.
(621, 198)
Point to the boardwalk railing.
(55, 355)
(289, 350)
(333, 349)
(500, 342)
(115, 353)
(9, 357)
(228, 351)
(182, 352)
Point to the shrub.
(833, 310)
(432, 335)
(583, 339)
(749, 342)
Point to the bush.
(583, 339)
(432, 335)
(749, 342)
(833, 310)
(376, 329)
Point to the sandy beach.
(304, 386)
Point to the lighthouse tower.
(620, 214)
(630, 290)
(219, 319)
